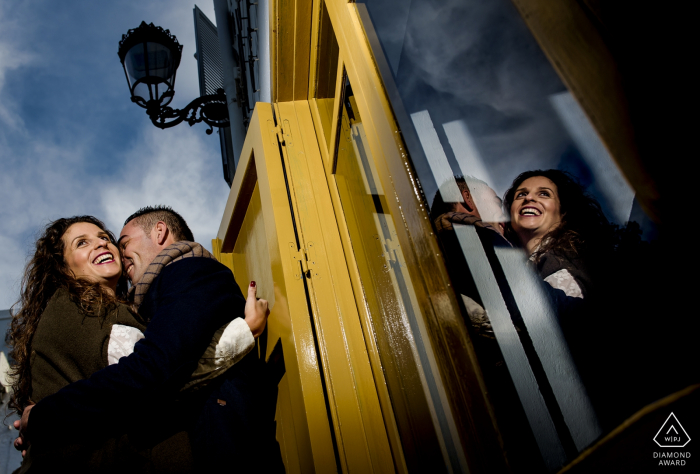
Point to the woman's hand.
(256, 311)
(22, 443)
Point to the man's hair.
(147, 217)
(465, 183)
(474, 185)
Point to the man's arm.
(193, 298)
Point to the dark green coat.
(69, 346)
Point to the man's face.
(138, 250)
(469, 204)
(490, 205)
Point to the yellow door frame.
(311, 277)
(454, 353)
(294, 48)
(260, 166)
(361, 436)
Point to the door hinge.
(284, 135)
(390, 251)
(276, 133)
(307, 258)
(280, 135)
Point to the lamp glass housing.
(150, 57)
(150, 70)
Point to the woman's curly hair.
(583, 228)
(45, 273)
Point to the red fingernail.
(252, 283)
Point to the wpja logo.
(672, 435)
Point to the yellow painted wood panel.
(362, 440)
(251, 261)
(454, 353)
(287, 437)
(251, 253)
(291, 36)
(257, 230)
(379, 292)
(346, 226)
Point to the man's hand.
(256, 311)
(22, 443)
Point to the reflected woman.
(568, 239)
(562, 229)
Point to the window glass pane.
(326, 73)
(541, 233)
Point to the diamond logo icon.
(672, 434)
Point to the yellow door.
(279, 230)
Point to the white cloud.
(56, 162)
(12, 260)
(12, 56)
(178, 167)
(174, 169)
(39, 182)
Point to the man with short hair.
(481, 208)
(187, 297)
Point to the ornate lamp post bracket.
(150, 56)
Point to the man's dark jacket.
(185, 305)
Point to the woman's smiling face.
(89, 253)
(536, 208)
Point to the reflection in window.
(548, 275)
(491, 95)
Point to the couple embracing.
(159, 378)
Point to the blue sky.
(71, 141)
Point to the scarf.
(172, 253)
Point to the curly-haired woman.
(74, 320)
(562, 229)
(568, 239)
(67, 309)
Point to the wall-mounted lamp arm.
(210, 109)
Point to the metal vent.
(211, 76)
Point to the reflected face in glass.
(89, 253)
(489, 205)
(536, 208)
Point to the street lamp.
(150, 56)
